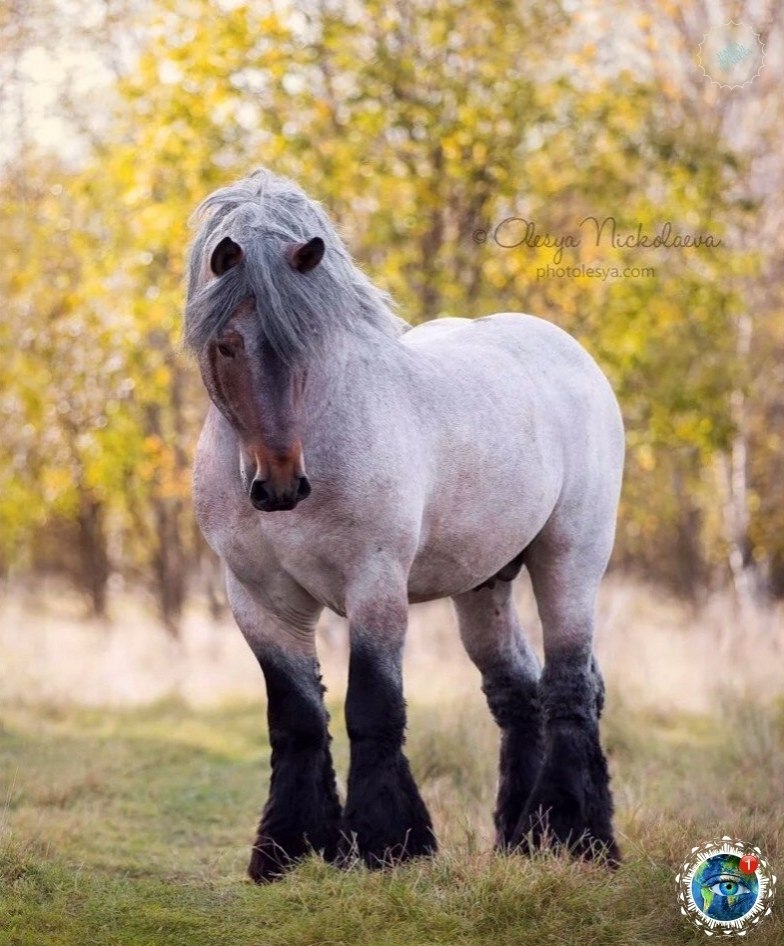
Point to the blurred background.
(422, 126)
(133, 750)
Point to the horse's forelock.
(296, 311)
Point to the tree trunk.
(94, 556)
(170, 559)
(690, 574)
(169, 563)
(746, 579)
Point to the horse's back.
(512, 354)
(517, 333)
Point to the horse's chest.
(230, 531)
(259, 550)
(226, 519)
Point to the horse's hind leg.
(492, 635)
(571, 804)
(302, 812)
(385, 819)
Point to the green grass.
(133, 828)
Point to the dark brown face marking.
(277, 468)
(261, 397)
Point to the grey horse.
(352, 463)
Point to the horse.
(352, 462)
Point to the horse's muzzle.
(267, 497)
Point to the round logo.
(725, 886)
(731, 55)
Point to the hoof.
(386, 821)
(571, 806)
(538, 831)
(381, 857)
(269, 861)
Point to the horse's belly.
(493, 494)
(452, 563)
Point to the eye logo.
(719, 889)
(725, 887)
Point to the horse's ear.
(225, 256)
(305, 256)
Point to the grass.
(132, 828)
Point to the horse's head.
(265, 302)
(258, 391)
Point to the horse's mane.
(296, 312)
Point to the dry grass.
(126, 822)
(655, 652)
(132, 828)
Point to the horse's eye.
(230, 343)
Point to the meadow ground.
(130, 825)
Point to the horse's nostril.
(258, 492)
(269, 499)
(303, 488)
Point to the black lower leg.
(385, 819)
(513, 701)
(571, 804)
(303, 811)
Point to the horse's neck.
(338, 376)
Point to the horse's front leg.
(302, 812)
(385, 819)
